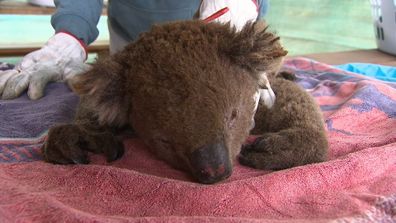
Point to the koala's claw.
(64, 154)
(263, 153)
(259, 160)
(81, 160)
(114, 150)
(63, 146)
(288, 75)
(69, 144)
(263, 144)
(244, 160)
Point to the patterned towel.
(357, 183)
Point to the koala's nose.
(211, 163)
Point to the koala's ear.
(254, 48)
(104, 89)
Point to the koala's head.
(189, 89)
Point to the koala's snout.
(211, 163)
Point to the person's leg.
(117, 43)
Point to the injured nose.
(211, 163)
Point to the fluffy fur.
(187, 89)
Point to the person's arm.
(78, 17)
(263, 8)
(62, 57)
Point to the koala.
(191, 91)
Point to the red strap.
(225, 10)
(216, 14)
(79, 40)
(257, 5)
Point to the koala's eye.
(231, 120)
(233, 117)
(263, 86)
(234, 114)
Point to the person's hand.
(237, 12)
(61, 58)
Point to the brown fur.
(291, 132)
(188, 85)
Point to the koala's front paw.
(285, 149)
(69, 144)
(263, 153)
(287, 75)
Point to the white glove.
(61, 58)
(238, 14)
(267, 95)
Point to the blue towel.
(385, 73)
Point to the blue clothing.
(128, 18)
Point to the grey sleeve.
(263, 8)
(78, 17)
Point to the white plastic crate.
(384, 17)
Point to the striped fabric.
(356, 184)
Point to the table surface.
(24, 8)
(357, 56)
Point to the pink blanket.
(357, 184)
